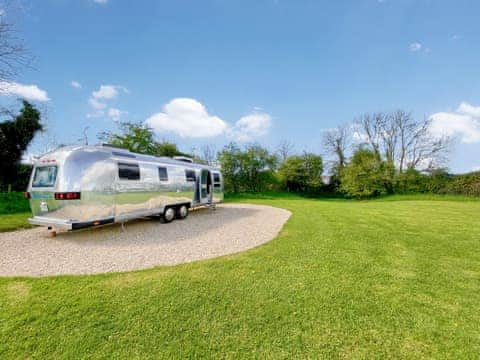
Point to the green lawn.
(14, 211)
(372, 279)
(9, 222)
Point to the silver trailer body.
(82, 186)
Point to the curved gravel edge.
(205, 234)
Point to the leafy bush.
(15, 136)
(302, 173)
(468, 184)
(13, 203)
(248, 170)
(365, 176)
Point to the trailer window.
(162, 174)
(44, 176)
(190, 175)
(128, 171)
(216, 180)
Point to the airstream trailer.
(78, 187)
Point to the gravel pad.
(142, 244)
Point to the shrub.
(248, 170)
(468, 184)
(302, 173)
(12, 203)
(365, 176)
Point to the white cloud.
(97, 105)
(476, 168)
(28, 92)
(115, 113)
(187, 118)
(100, 1)
(414, 47)
(76, 84)
(250, 126)
(467, 109)
(105, 92)
(99, 99)
(464, 123)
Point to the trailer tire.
(168, 215)
(182, 212)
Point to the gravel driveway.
(144, 243)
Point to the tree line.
(377, 154)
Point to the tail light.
(67, 196)
(26, 195)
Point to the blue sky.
(208, 72)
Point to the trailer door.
(205, 186)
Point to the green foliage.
(140, 138)
(366, 175)
(468, 184)
(251, 169)
(166, 148)
(12, 203)
(15, 136)
(302, 173)
(344, 279)
(439, 182)
(20, 183)
(135, 137)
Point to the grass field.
(395, 278)
(14, 211)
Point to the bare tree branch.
(402, 141)
(336, 142)
(13, 54)
(285, 149)
(208, 154)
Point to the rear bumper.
(56, 223)
(68, 224)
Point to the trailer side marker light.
(67, 196)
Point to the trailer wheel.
(168, 215)
(182, 212)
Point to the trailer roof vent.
(183, 159)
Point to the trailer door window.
(190, 175)
(162, 174)
(44, 176)
(216, 180)
(128, 171)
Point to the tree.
(135, 137)
(365, 175)
(285, 150)
(15, 136)
(302, 173)
(403, 142)
(250, 169)
(256, 167)
(13, 54)
(166, 148)
(229, 159)
(418, 148)
(139, 138)
(336, 142)
(208, 154)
